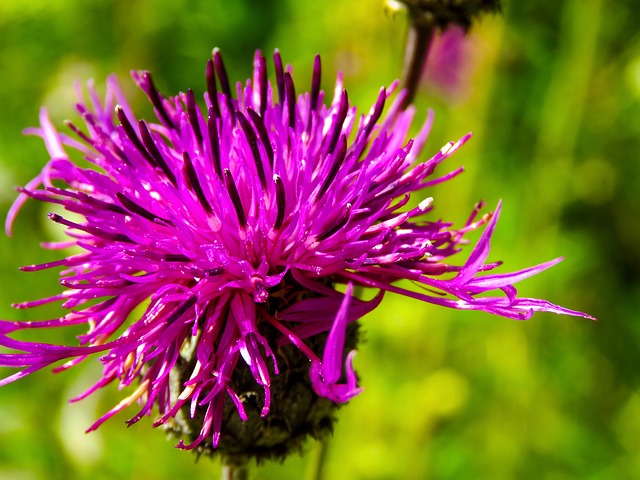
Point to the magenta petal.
(325, 374)
(334, 348)
(480, 251)
(345, 392)
(251, 354)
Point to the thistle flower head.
(225, 239)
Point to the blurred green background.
(551, 91)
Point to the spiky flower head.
(240, 231)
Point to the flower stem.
(320, 458)
(419, 39)
(235, 472)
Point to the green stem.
(419, 40)
(235, 472)
(321, 456)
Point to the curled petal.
(326, 374)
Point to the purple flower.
(216, 239)
(449, 63)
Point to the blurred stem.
(321, 457)
(235, 472)
(419, 40)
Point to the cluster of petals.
(192, 227)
